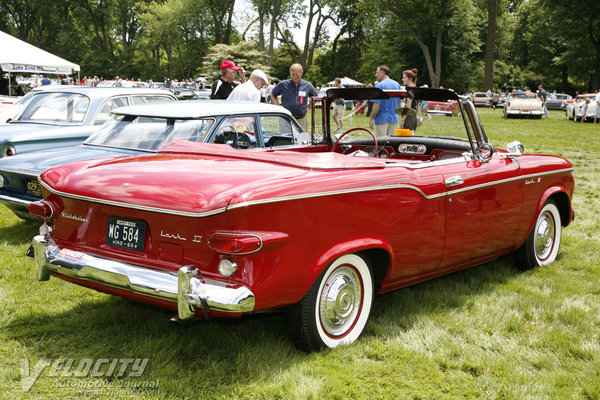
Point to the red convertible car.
(315, 230)
(447, 108)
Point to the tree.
(579, 28)
(222, 13)
(427, 23)
(490, 41)
(245, 54)
(314, 35)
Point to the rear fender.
(366, 245)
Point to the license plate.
(126, 233)
(34, 188)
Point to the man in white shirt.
(250, 90)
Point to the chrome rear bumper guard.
(187, 288)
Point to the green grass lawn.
(491, 332)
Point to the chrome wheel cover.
(340, 301)
(544, 236)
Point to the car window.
(150, 98)
(278, 130)
(149, 133)
(103, 114)
(238, 132)
(56, 108)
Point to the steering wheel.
(335, 145)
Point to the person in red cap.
(224, 85)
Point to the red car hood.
(190, 178)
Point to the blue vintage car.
(147, 128)
(61, 116)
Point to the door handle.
(454, 181)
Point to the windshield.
(56, 108)
(524, 95)
(148, 133)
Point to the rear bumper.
(187, 288)
(525, 112)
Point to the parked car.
(449, 108)
(184, 91)
(62, 116)
(315, 230)
(502, 99)
(10, 106)
(113, 83)
(481, 99)
(556, 101)
(523, 104)
(145, 129)
(202, 94)
(574, 109)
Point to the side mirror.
(515, 148)
(486, 151)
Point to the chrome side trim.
(188, 289)
(304, 196)
(501, 181)
(386, 187)
(336, 192)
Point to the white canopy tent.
(347, 82)
(22, 57)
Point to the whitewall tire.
(543, 242)
(336, 309)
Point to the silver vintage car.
(61, 116)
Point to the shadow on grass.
(222, 354)
(442, 295)
(20, 232)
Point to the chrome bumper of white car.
(187, 288)
(525, 112)
(14, 200)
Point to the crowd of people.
(295, 94)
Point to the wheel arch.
(564, 206)
(563, 203)
(377, 254)
(560, 197)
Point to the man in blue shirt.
(295, 95)
(383, 116)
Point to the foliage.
(174, 31)
(509, 77)
(244, 54)
(541, 41)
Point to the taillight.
(234, 243)
(41, 209)
(9, 151)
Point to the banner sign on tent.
(36, 69)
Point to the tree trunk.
(488, 78)
(274, 17)
(565, 79)
(261, 35)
